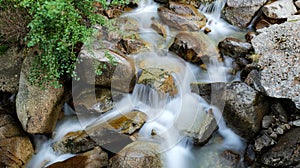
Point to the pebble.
(279, 130)
(296, 123)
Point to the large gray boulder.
(38, 109)
(241, 13)
(280, 9)
(279, 51)
(244, 109)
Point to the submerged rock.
(278, 48)
(244, 109)
(235, 48)
(280, 9)
(138, 154)
(194, 47)
(285, 153)
(38, 109)
(94, 158)
(15, 147)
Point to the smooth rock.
(159, 28)
(296, 123)
(194, 47)
(138, 154)
(243, 3)
(278, 48)
(279, 9)
(244, 109)
(235, 48)
(297, 3)
(91, 159)
(38, 109)
(267, 121)
(285, 153)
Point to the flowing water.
(167, 116)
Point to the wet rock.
(244, 109)
(194, 47)
(15, 147)
(11, 63)
(90, 159)
(278, 50)
(208, 91)
(253, 80)
(263, 142)
(182, 17)
(285, 153)
(279, 9)
(279, 111)
(293, 18)
(109, 134)
(137, 154)
(241, 3)
(37, 108)
(267, 121)
(296, 123)
(235, 48)
(159, 28)
(297, 3)
(158, 79)
(113, 69)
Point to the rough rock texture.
(182, 17)
(11, 63)
(91, 159)
(117, 70)
(194, 47)
(279, 9)
(137, 154)
(37, 109)
(109, 134)
(15, 147)
(244, 109)
(241, 3)
(235, 48)
(279, 49)
(286, 153)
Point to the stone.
(296, 123)
(262, 142)
(235, 48)
(243, 3)
(267, 121)
(278, 48)
(285, 153)
(194, 47)
(278, 110)
(15, 147)
(244, 109)
(11, 63)
(182, 17)
(89, 159)
(293, 18)
(138, 154)
(297, 3)
(280, 9)
(115, 70)
(159, 28)
(37, 108)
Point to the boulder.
(11, 63)
(280, 9)
(285, 153)
(278, 48)
(297, 3)
(89, 159)
(235, 48)
(244, 109)
(106, 68)
(182, 17)
(138, 154)
(241, 13)
(194, 47)
(15, 147)
(38, 108)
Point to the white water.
(167, 116)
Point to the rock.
(11, 63)
(158, 79)
(297, 3)
(113, 69)
(235, 48)
(242, 3)
(15, 147)
(285, 153)
(38, 109)
(194, 47)
(138, 154)
(296, 123)
(208, 91)
(262, 142)
(182, 17)
(279, 9)
(278, 110)
(244, 109)
(240, 16)
(278, 48)
(159, 28)
(293, 18)
(109, 134)
(253, 80)
(90, 159)
(267, 121)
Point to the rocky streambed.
(166, 74)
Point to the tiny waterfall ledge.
(168, 117)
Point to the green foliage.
(57, 28)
